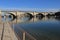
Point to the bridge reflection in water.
(34, 19)
(21, 33)
(12, 22)
(26, 18)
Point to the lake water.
(41, 28)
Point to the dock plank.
(8, 33)
(1, 28)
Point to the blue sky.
(43, 4)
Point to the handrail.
(24, 33)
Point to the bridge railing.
(22, 34)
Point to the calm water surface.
(41, 29)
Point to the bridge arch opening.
(12, 15)
(39, 15)
(29, 15)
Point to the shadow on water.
(57, 18)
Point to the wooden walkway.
(6, 32)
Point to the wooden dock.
(6, 32)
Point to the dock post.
(23, 35)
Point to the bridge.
(7, 33)
(5, 28)
(20, 13)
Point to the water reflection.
(6, 17)
(57, 18)
(6, 20)
(9, 18)
(45, 28)
(24, 19)
(42, 28)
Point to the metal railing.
(22, 34)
